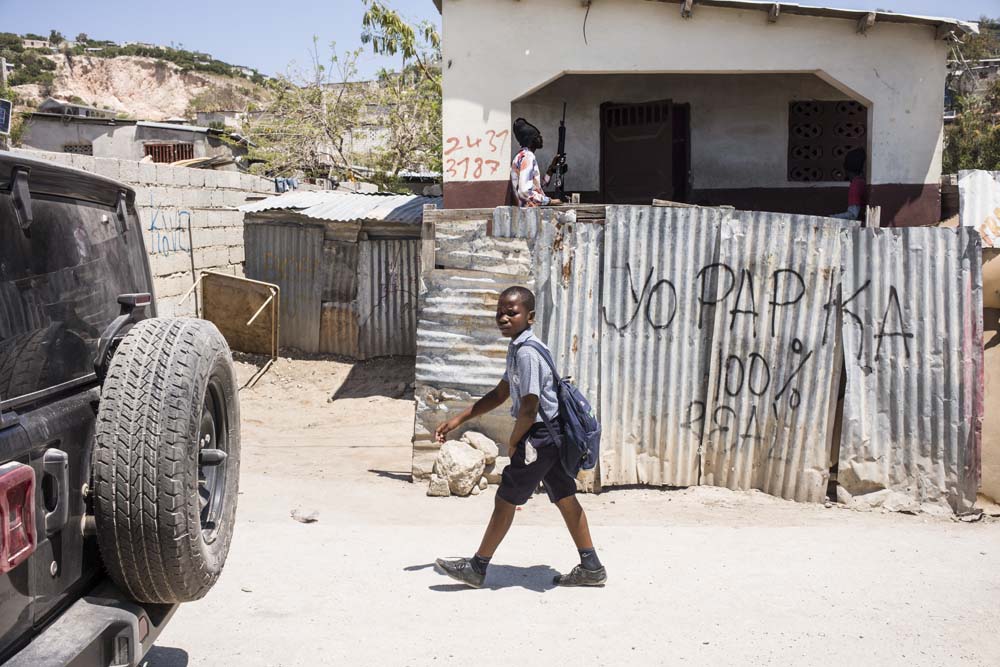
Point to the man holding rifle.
(525, 176)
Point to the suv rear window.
(59, 290)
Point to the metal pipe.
(261, 309)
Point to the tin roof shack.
(347, 265)
(751, 104)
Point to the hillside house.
(35, 43)
(128, 139)
(735, 102)
(66, 108)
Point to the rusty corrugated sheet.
(775, 363)
(655, 342)
(460, 356)
(387, 297)
(340, 270)
(912, 329)
(290, 256)
(566, 256)
(338, 332)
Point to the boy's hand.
(446, 427)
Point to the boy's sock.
(479, 564)
(589, 559)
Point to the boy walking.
(533, 447)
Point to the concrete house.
(752, 104)
(128, 139)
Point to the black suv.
(119, 431)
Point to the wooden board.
(230, 302)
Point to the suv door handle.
(55, 465)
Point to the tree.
(973, 141)
(56, 38)
(82, 38)
(409, 99)
(307, 125)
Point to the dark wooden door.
(637, 152)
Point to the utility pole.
(4, 140)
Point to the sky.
(270, 35)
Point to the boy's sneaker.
(580, 576)
(461, 570)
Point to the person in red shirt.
(857, 192)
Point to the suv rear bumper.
(102, 629)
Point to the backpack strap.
(555, 384)
(545, 355)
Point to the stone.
(900, 502)
(843, 496)
(303, 516)
(494, 470)
(438, 487)
(483, 444)
(483, 483)
(475, 491)
(461, 464)
(868, 501)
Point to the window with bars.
(820, 134)
(79, 149)
(169, 152)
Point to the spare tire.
(166, 460)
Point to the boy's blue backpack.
(581, 444)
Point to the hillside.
(144, 88)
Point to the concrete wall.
(498, 51)
(167, 200)
(739, 123)
(121, 141)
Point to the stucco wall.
(121, 141)
(739, 123)
(498, 51)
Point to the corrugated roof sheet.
(348, 206)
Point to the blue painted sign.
(5, 114)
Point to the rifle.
(561, 167)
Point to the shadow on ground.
(162, 656)
(537, 578)
(389, 376)
(389, 474)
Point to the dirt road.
(698, 576)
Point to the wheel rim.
(213, 438)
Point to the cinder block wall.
(168, 200)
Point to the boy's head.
(527, 135)
(854, 162)
(515, 311)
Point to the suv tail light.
(17, 515)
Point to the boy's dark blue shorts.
(519, 480)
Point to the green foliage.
(973, 141)
(82, 38)
(56, 38)
(17, 126)
(30, 67)
(31, 35)
(984, 45)
(10, 42)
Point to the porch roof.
(864, 18)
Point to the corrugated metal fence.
(709, 340)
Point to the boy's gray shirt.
(529, 374)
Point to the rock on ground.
(483, 483)
(438, 487)
(484, 444)
(461, 465)
(495, 469)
